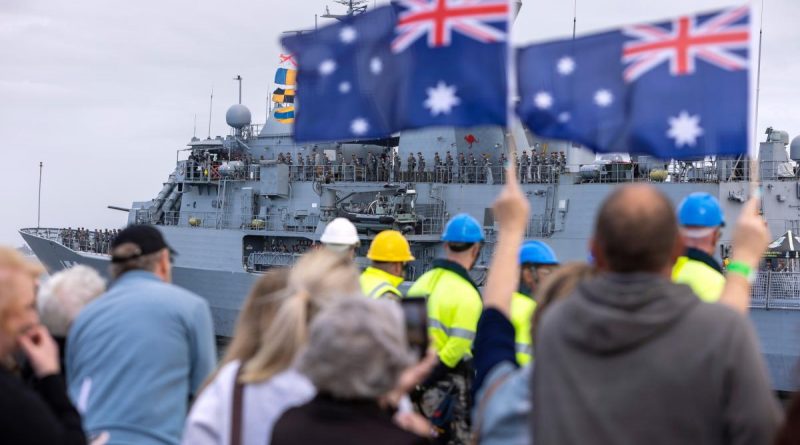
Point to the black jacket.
(43, 415)
(636, 359)
(329, 421)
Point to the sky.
(105, 92)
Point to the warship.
(238, 205)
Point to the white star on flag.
(566, 65)
(543, 100)
(441, 99)
(359, 126)
(603, 98)
(685, 129)
(348, 34)
(564, 117)
(327, 67)
(344, 87)
(375, 66)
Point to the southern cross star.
(685, 129)
(348, 34)
(327, 67)
(441, 99)
(359, 126)
(543, 100)
(565, 66)
(375, 66)
(603, 98)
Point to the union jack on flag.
(715, 40)
(438, 19)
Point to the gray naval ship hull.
(210, 261)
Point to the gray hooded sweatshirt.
(637, 360)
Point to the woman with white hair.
(355, 357)
(257, 384)
(63, 296)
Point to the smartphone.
(415, 312)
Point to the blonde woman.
(261, 373)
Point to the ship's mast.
(239, 79)
(354, 7)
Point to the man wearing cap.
(139, 353)
(389, 253)
(700, 222)
(454, 307)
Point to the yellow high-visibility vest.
(376, 283)
(522, 308)
(706, 282)
(454, 307)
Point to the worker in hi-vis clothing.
(700, 222)
(536, 260)
(389, 253)
(454, 307)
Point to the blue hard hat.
(700, 209)
(537, 252)
(462, 228)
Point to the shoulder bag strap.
(479, 413)
(236, 420)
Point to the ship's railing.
(539, 227)
(260, 261)
(776, 290)
(707, 171)
(79, 240)
(207, 220)
(306, 223)
(431, 217)
(209, 171)
(489, 174)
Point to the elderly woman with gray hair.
(356, 356)
(63, 296)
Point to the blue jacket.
(136, 355)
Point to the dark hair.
(636, 229)
(459, 247)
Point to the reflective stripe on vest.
(385, 287)
(451, 332)
(522, 348)
(375, 283)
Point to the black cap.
(147, 238)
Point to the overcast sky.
(105, 92)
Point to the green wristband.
(742, 269)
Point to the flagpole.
(511, 84)
(574, 18)
(39, 205)
(754, 165)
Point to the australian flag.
(676, 89)
(411, 64)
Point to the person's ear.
(600, 260)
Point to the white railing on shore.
(776, 290)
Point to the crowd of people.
(85, 240)
(648, 342)
(470, 168)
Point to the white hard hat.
(340, 231)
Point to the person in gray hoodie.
(632, 358)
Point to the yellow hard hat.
(390, 246)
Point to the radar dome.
(238, 116)
(794, 149)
